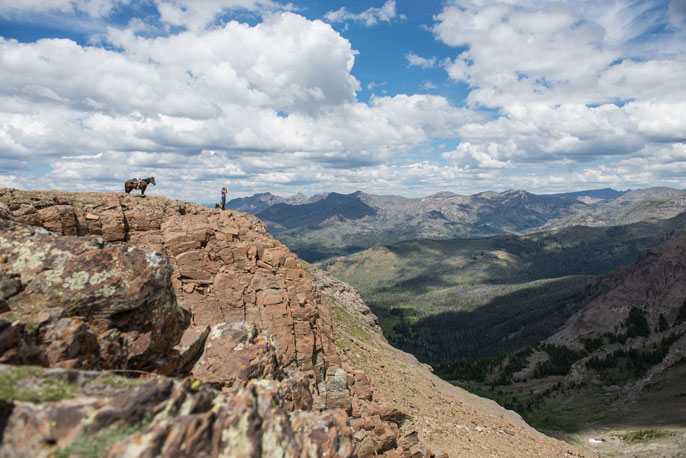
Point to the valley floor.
(604, 420)
(608, 442)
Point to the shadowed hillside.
(454, 299)
(614, 370)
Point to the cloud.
(677, 14)
(92, 8)
(188, 14)
(570, 81)
(417, 61)
(196, 14)
(578, 94)
(369, 17)
(250, 104)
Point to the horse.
(138, 183)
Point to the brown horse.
(138, 183)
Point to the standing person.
(223, 198)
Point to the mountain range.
(332, 224)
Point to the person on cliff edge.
(223, 198)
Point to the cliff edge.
(230, 345)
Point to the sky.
(401, 97)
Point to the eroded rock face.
(654, 284)
(81, 302)
(225, 265)
(329, 285)
(254, 314)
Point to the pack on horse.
(138, 183)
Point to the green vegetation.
(645, 435)
(636, 323)
(560, 360)
(468, 369)
(95, 445)
(622, 364)
(33, 384)
(546, 405)
(663, 325)
(557, 405)
(478, 310)
(681, 316)
(516, 363)
(451, 300)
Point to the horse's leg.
(143, 190)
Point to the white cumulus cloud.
(239, 102)
(571, 81)
(368, 17)
(418, 61)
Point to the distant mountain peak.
(442, 195)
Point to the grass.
(95, 445)
(32, 384)
(118, 381)
(351, 334)
(645, 435)
(353, 326)
(555, 405)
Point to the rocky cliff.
(229, 344)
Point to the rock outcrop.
(113, 281)
(84, 303)
(225, 265)
(224, 318)
(158, 417)
(328, 285)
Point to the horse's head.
(152, 180)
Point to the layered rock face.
(115, 281)
(225, 265)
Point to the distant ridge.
(605, 194)
(262, 201)
(332, 224)
(334, 205)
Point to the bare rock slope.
(95, 283)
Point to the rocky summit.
(144, 326)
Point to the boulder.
(235, 353)
(65, 293)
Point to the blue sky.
(390, 97)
